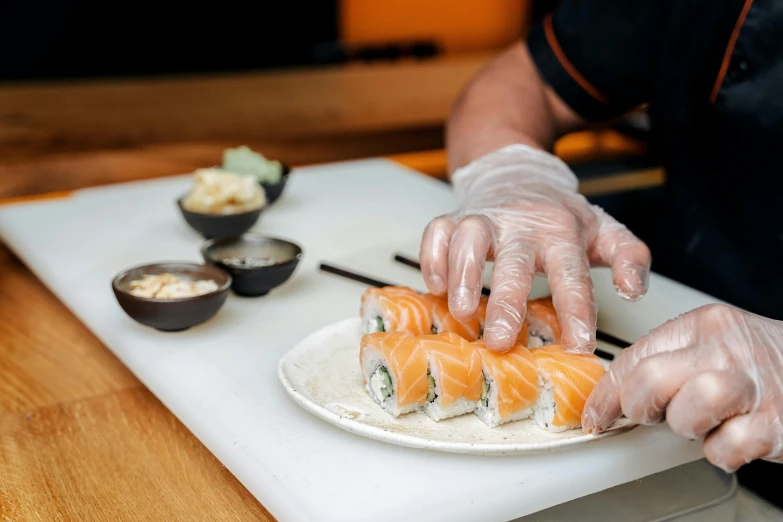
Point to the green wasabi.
(246, 162)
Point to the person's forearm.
(506, 103)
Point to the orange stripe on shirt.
(566, 63)
(724, 66)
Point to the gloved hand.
(715, 371)
(520, 207)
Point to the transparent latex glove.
(520, 207)
(714, 373)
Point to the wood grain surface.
(80, 436)
(143, 465)
(290, 107)
(47, 357)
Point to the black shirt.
(712, 74)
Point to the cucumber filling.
(431, 395)
(381, 384)
(379, 325)
(434, 330)
(485, 393)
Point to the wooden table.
(80, 436)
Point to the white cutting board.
(220, 378)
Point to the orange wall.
(456, 25)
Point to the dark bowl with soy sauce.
(257, 264)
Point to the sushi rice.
(545, 407)
(381, 384)
(488, 407)
(434, 408)
(565, 380)
(373, 319)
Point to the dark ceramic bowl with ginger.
(172, 314)
(220, 225)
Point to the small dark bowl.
(274, 190)
(254, 281)
(172, 315)
(220, 225)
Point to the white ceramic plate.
(322, 374)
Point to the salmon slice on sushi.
(443, 321)
(510, 387)
(395, 309)
(565, 382)
(454, 375)
(542, 323)
(395, 371)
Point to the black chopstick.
(407, 261)
(353, 275)
(601, 336)
(604, 355)
(415, 264)
(611, 339)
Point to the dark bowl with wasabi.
(272, 175)
(257, 263)
(275, 190)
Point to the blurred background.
(94, 92)
(85, 38)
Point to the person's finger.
(650, 386)
(512, 278)
(603, 406)
(434, 254)
(470, 244)
(629, 258)
(743, 439)
(709, 398)
(568, 271)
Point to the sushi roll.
(565, 380)
(542, 322)
(454, 375)
(395, 371)
(510, 387)
(395, 309)
(443, 321)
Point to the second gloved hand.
(520, 206)
(714, 373)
